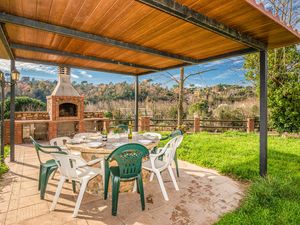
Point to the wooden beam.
(183, 12)
(209, 59)
(22, 21)
(79, 56)
(5, 43)
(71, 66)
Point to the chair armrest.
(94, 161)
(51, 146)
(55, 152)
(160, 152)
(164, 138)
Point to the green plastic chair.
(129, 166)
(172, 135)
(123, 127)
(48, 167)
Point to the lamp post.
(15, 76)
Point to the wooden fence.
(197, 124)
(192, 125)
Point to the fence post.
(250, 125)
(145, 123)
(196, 123)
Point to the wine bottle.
(104, 134)
(130, 131)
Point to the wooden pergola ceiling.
(137, 37)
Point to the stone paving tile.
(203, 197)
(32, 211)
(11, 217)
(2, 218)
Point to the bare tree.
(181, 82)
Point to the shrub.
(23, 103)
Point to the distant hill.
(154, 98)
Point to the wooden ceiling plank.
(185, 13)
(88, 48)
(7, 18)
(79, 56)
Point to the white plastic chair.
(70, 169)
(156, 166)
(152, 135)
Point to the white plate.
(75, 141)
(94, 144)
(152, 137)
(145, 142)
(94, 137)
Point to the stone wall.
(32, 115)
(93, 114)
(43, 115)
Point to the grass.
(273, 200)
(4, 167)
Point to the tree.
(181, 82)
(284, 74)
(201, 107)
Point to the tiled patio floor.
(203, 197)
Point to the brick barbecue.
(65, 106)
(65, 115)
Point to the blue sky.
(227, 71)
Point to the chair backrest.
(42, 148)
(129, 159)
(176, 133)
(170, 149)
(123, 127)
(67, 165)
(60, 141)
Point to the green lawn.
(3, 167)
(274, 200)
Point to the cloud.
(238, 61)
(36, 67)
(21, 66)
(223, 75)
(5, 65)
(74, 76)
(85, 74)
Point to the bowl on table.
(75, 141)
(145, 142)
(94, 144)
